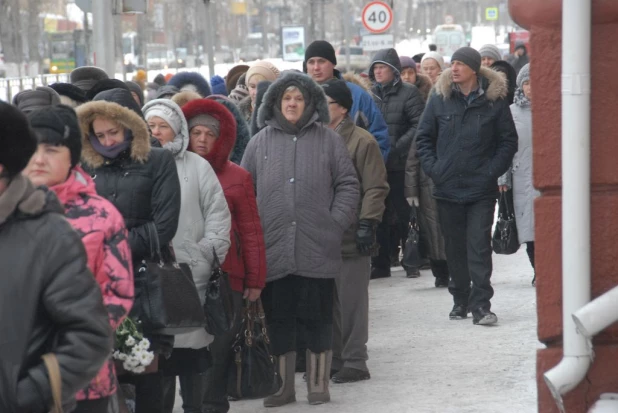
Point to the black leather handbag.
(219, 301)
(253, 373)
(505, 240)
(411, 253)
(166, 299)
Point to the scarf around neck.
(520, 99)
(111, 152)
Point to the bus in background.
(448, 38)
(61, 46)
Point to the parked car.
(359, 61)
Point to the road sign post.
(491, 13)
(377, 17)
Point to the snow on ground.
(422, 362)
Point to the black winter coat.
(49, 302)
(401, 105)
(142, 183)
(465, 148)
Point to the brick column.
(544, 19)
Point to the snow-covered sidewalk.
(422, 362)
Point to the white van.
(448, 38)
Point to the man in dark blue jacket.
(466, 139)
(320, 62)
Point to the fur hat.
(264, 68)
(17, 140)
(166, 92)
(491, 51)
(85, 77)
(39, 98)
(182, 98)
(70, 94)
(218, 85)
(58, 126)
(233, 75)
(190, 81)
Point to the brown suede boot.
(286, 364)
(318, 376)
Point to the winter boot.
(318, 376)
(286, 394)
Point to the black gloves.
(366, 236)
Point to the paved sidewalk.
(421, 362)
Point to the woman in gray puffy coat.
(519, 175)
(307, 193)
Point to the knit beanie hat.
(264, 68)
(491, 51)
(321, 48)
(166, 112)
(339, 91)
(217, 85)
(135, 88)
(435, 56)
(407, 63)
(160, 80)
(86, 76)
(70, 94)
(17, 140)
(523, 76)
(468, 56)
(39, 98)
(204, 119)
(58, 126)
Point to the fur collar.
(497, 87)
(272, 97)
(21, 198)
(358, 80)
(220, 153)
(88, 112)
(423, 83)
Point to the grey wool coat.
(306, 186)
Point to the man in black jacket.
(49, 300)
(466, 140)
(401, 105)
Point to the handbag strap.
(55, 381)
(505, 203)
(153, 239)
(216, 264)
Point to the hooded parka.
(246, 260)
(401, 105)
(307, 189)
(204, 221)
(49, 302)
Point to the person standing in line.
(259, 71)
(307, 193)
(410, 75)
(351, 309)
(100, 225)
(466, 140)
(432, 65)
(490, 54)
(520, 57)
(49, 300)
(401, 105)
(519, 175)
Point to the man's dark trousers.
(467, 236)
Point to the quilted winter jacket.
(204, 220)
(142, 183)
(401, 105)
(246, 260)
(49, 302)
(105, 237)
(307, 189)
(465, 148)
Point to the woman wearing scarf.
(308, 194)
(519, 176)
(142, 183)
(204, 227)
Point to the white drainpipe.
(598, 314)
(576, 33)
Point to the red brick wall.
(543, 19)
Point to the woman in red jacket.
(212, 133)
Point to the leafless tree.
(10, 36)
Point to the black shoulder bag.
(505, 240)
(219, 300)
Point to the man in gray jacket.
(401, 105)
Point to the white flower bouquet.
(131, 353)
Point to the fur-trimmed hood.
(182, 79)
(496, 84)
(242, 128)
(272, 97)
(88, 112)
(220, 153)
(358, 80)
(181, 142)
(423, 84)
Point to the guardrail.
(11, 86)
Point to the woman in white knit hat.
(258, 72)
(432, 65)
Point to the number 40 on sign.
(377, 17)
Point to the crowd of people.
(301, 183)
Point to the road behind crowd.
(422, 362)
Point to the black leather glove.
(366, 236)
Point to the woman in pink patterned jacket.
(99, 224)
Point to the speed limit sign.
(377, 17)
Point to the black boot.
(380, 273)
